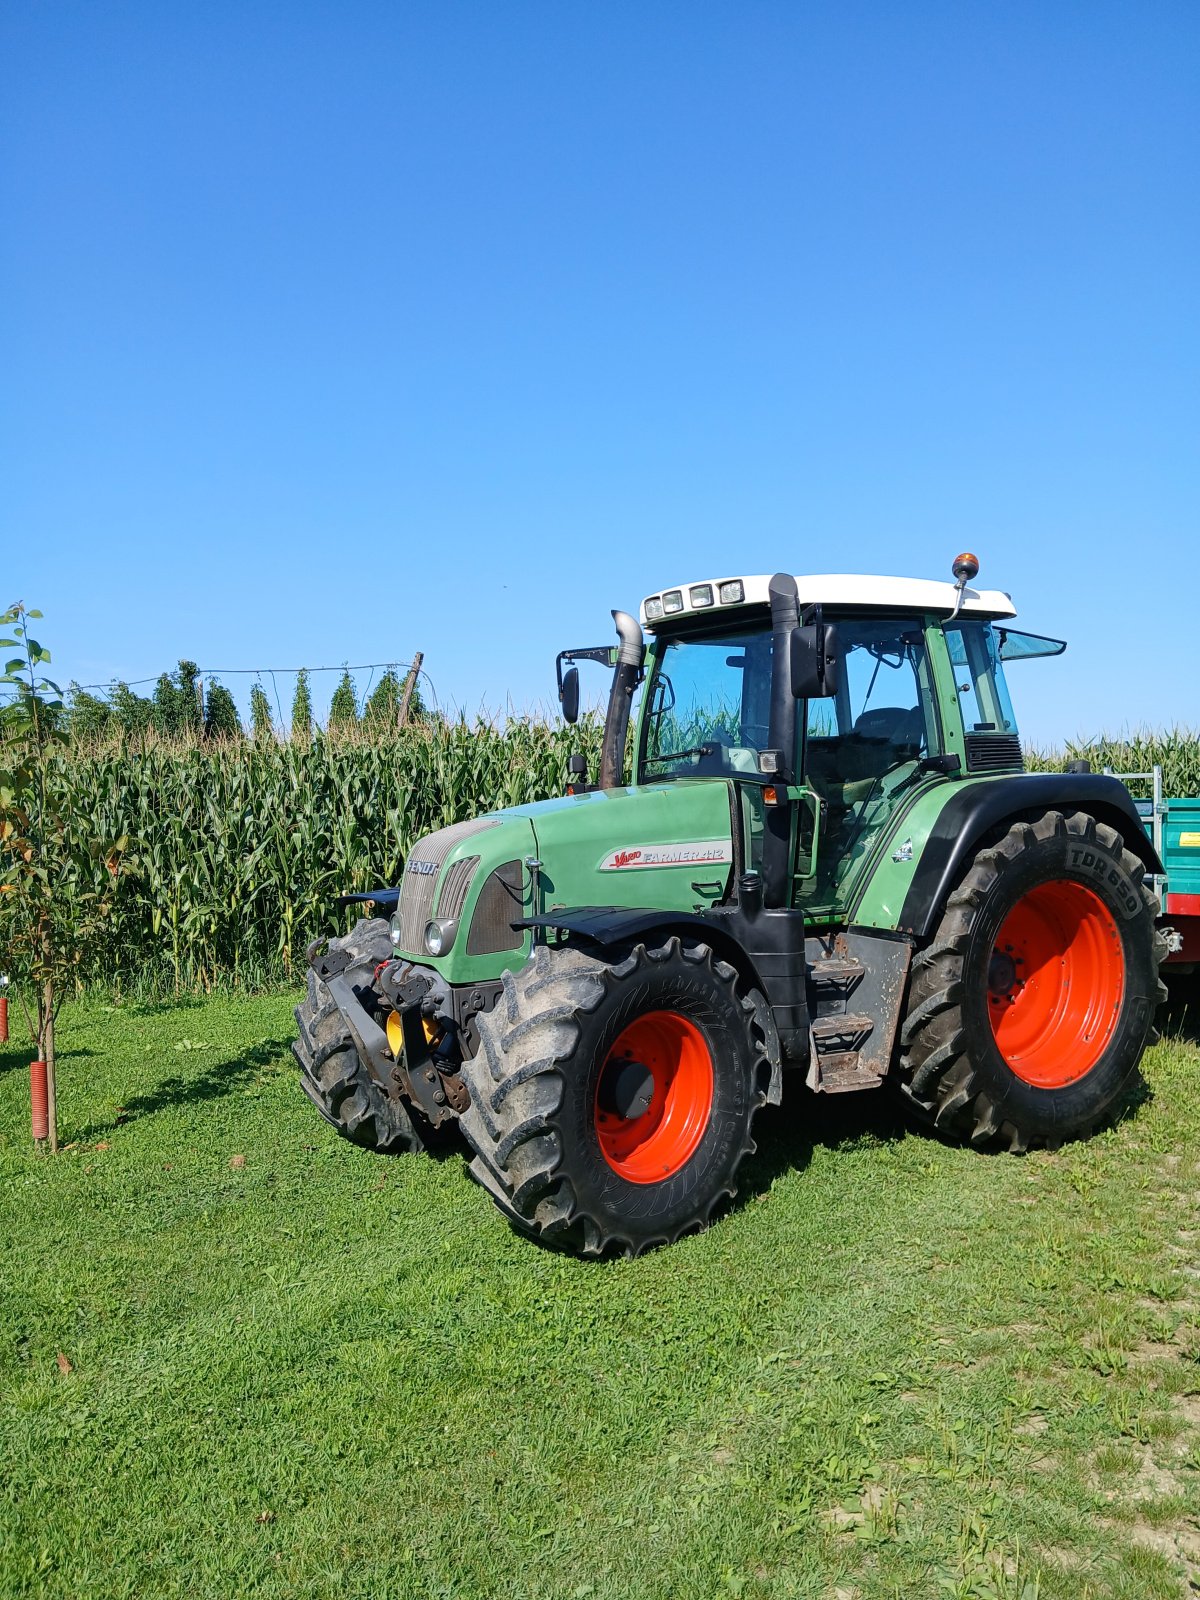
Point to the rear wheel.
(1029, 1012)
(611, 1103)
(332, 1074)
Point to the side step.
(853, 1049)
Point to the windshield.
(708, 706)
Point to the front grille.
(417, 886)
(994, 752)
(454, 887)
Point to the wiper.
(678, 755)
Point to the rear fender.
(981, 810)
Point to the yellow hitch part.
(395, 1032)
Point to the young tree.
(261, 724)
(221, 720)
(383, 704)
(54, 889)
(177, 701)
(88, 716)
(133, 712)
(302, 715)
(343, 708)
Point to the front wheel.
(611, 1103)
(1030, 1010)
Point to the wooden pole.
(406, 692)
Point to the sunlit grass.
(289, 1368)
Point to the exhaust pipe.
(777, 835)
(630, 656)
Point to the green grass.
(897, 1369)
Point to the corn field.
(1175, 750)
(239, 851)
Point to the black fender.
(766, 951)
(608, 925)
(969, 816)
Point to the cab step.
(852, 1049)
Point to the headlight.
(394, 929)
(439, 935)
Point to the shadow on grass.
(213, 1083)
(17, 1056)
(1181, 1015)
(787, 1135)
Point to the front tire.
(1029, 1012)
(611, 1104)
(332, 1074)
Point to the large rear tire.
(611, 1104)
(332, 1073)
(1029, 1012)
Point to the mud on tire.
(332, 1074)
(1029, 1011)
(577, 1139)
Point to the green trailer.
(1174, 829)
(817, 866)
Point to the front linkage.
(408, 1045)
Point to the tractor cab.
(882, 688)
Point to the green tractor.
(830, 869)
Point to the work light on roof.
(672, 601)
(700, 594)
(654, 609)
(730, 594)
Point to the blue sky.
(333, 332)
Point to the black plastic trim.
(974, 810)
(386, 899)
(767, 949)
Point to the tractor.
(830, 870)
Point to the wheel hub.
(1002, 975)
(626, 1090)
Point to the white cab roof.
(842, 589)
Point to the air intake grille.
(500, 904)
(994, 752)
(421, 872)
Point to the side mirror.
(569, 694)
(815, 656)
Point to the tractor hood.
(668, 846)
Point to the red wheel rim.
(654, 1097)
(1056, 981)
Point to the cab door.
(862, 755)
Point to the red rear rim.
(654, 1097)
(1056, 981)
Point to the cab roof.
(841, 590)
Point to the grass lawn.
(240, 1357)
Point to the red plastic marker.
(38, 1100)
